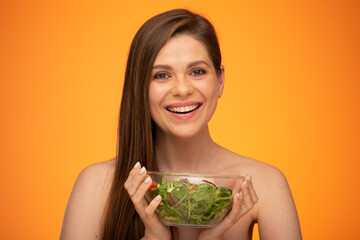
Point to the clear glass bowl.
(193, 200)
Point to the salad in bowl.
(192, 200)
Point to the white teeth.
(183, 109)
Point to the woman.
(173, 80)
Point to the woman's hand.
(136, 185)
(243, 203)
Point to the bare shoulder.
(267, 179)
(98, 174)
(242, 165)
(266, 174)
(83, 215)
(94, 180)
(277, 215)
(270, 185)
(275, 211)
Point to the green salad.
(188, 203)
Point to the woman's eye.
(161, 76)
(198, 72)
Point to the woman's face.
(184, 87)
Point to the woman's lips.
(184, 110)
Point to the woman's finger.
(232, 217)
(243, 203)
(150, 210)
(237, 186)
(152, 222)
(229, 220)
(248, 201)
(253, 194)
(138, 198)
(133, 171)
(145, 210)
(132, 174)
(136, 177)
(137, 183)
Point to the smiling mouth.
(183, 110)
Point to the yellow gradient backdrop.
(291, 99)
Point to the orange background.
(291, 99)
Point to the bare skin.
(275, 212)
(184, 75)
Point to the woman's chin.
(185, 132)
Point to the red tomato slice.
(153, 185)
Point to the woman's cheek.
(208, 88)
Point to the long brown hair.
(136, 132)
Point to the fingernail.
(147, 180)
(246, 184)
(237, 196)
(142, 170)
(158, 197)
(249, 177)
(136, 165)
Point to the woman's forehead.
(182, 49)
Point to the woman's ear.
(221, 80)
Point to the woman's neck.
(186, 155)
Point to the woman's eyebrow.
(167, 67)
(193, 64)
(190, 65)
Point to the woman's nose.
(182, 86)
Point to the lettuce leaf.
(187, 203)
